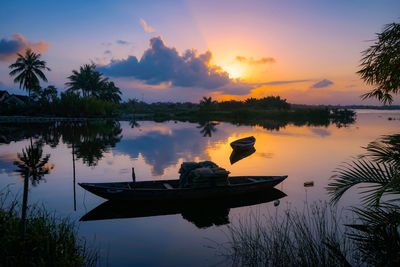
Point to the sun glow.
(234, 70)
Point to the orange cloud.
(252, 61)
(18, 44)
(146, 27)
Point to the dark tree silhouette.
(31, 165)
(87, 80)
(380, 65)
(28, 68)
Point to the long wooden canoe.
(169, 189)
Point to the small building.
(17, 100)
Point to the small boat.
(202, 213)
(244, 143)
(308, 184)
(160, 190)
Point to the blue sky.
(309, 40)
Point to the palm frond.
(380, 178)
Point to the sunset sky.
(305, 51)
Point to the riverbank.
(237, 115)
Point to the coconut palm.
(380, 65)
(207, 103)
(87, 80)
(109, 92)
(378, 171)
(29, 68)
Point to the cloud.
(122, 42)
(107, 52)
(9, 48)
(146, 27)
(284, 82)
(162, 64)
(252, 61)
(323, 83)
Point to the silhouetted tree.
(380, 65)
(109, 92)
(45, 95)
(207, 103)
(378, 170)
(28, 68)
(87, 80)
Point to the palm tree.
(380, 65)
(87, 80)
(378, 170)
(109, 92)
(28, 68)
(207, 103)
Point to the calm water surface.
(156, 151)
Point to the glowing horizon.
(306, 52)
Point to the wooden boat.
(202, 213)
(160, 190)
(244, 143)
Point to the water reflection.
(208, 128)
(134, 123)
(31, 165)
(202, 214)
(237, 155)
(91, 139)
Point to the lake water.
(156, 151)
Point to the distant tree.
(29, 69)
(380, 65)
(48, 94)
(207, 103)
(109, 92)
(87, 80)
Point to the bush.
(48, 241)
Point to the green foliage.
(72, 105)
(266, 103)
(378, 170)
(28, 68)
(90, 82)
(309, 238)
(380, 65)
(49, 240)
(377, 236)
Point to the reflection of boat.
(237, 155)
(244, 143)
(170, 190)
(202, 213)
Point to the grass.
(48, 240)
(310, 238)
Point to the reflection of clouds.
(6, 162)
(320, 132)
(161, 150)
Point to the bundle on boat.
(202, 174)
